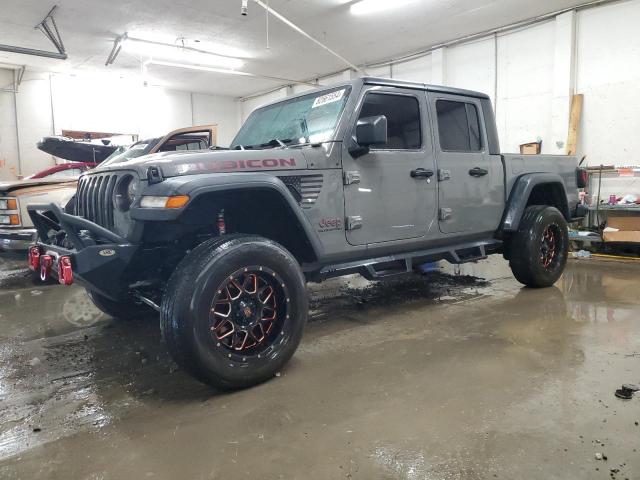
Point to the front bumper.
(17, 239)
(98, 256)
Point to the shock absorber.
(222, 226)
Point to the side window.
(458, 126)
(403, 119)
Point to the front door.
(394, 199)
(471, 190)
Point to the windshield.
(136, 150)
(309, 119)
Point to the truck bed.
(516, 165)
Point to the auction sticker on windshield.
(328, 98)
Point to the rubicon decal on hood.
(250, 164)
(235, 165)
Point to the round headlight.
(132, 189)
(125, 192)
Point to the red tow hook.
(65, 272)
(34, 258)
(46, 261)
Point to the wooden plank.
(574, 123)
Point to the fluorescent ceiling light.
(364, 7)
(155, 50)
(199, 67)
(221, 70)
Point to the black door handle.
(478, 172)
(421, 173)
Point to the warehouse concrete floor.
(441, 377)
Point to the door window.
(403, 119)
(458, 126)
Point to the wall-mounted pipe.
(293, 26)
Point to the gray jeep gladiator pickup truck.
(373, 176)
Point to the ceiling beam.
(50, 30)
(32, 51)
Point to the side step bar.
(381, 267)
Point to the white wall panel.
(472, 66)
(525, 86)
(381, 72)
(608, 74)
(34, 118)
(297, 89)
(337, 78)
(96, 103)
(162, 111)
(223, 111)
(417, 70)
(8, 142)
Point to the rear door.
(470, 180)
(388, 203)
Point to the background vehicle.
(73, 169)
(16, 228)
(58, 184)
(371, 177)
(76, 150)
(183, 139)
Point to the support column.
(563, 81)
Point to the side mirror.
(369, 131)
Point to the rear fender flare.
(520, 194)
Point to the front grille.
(94, 198)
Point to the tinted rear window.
(458, 126)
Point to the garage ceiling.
(88, 28)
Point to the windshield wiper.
(276, 142)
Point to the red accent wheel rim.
(249, 310)
(549, 246)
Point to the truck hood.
(7, 187)
(174, 164)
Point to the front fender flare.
(519, 197)
(198, 185)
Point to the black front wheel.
(538, 251)
(234, 311)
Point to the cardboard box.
(533, 148)
(629, 229)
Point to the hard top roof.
(387, 82)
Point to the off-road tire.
(527, 257)
(186, 312)
(127, 310)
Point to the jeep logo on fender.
(330, 224)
